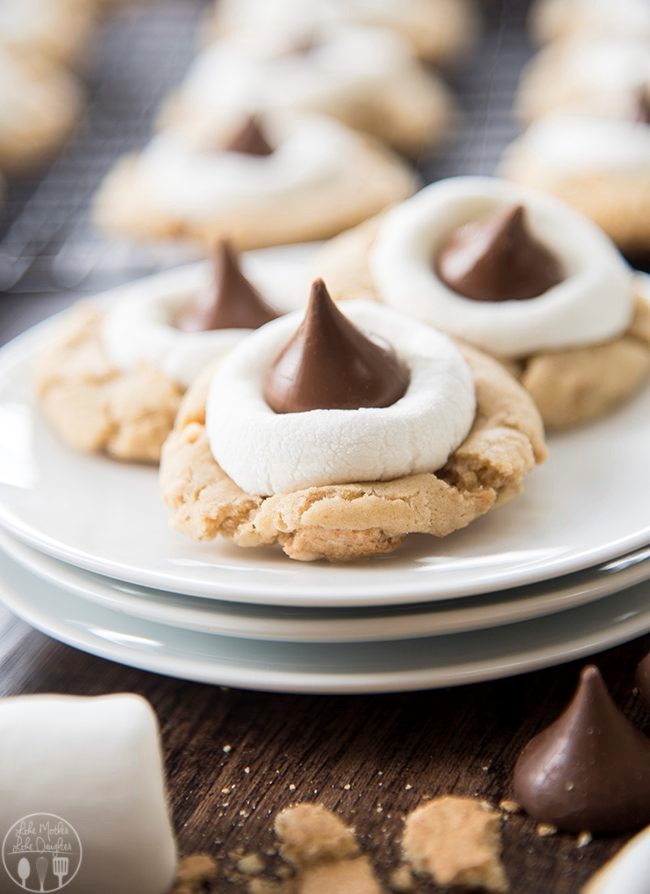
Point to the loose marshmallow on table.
(626, 873)
(83, 777)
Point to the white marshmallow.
(137, 326)
(96, 764)
(182, 178)
(266, 452)
(628, 872)
(594, 302)
(563, 145)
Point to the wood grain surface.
(370, 758)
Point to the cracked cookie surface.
(94, 407)
(352, 521)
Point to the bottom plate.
(317, 668)
(336, 625)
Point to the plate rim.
(324, 683)
(64, 576)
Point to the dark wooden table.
(356, 755)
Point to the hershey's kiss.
(590, 770)
(329, 364)
(250, 139)
(498, 259)
(643, 679)
(643, 106)
(231, 303)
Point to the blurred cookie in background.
(558, 19)
(593, 77)
(40, 104)
(440, 31)
(271, 182)
(58, 30)
(367, 78)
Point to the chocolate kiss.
(329, 364)
(232, 303)
(498, 259)
(588, 771)
(643, 679)
(643, 106)
(250, 139)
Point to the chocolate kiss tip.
(250, 139)
(643, 679)
(330, 364)
(590, 769)
(498, 259)
(232, 303)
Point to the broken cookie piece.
(343, 876)
(310, 834)
(456, 841)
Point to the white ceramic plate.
(311, 667)
(587, 505)
(335, 625)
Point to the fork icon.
(60, 868)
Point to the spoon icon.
(24, 870)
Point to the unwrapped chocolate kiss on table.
(498, 259)
(590, 769)
(330, 364)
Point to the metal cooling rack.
(49, 251)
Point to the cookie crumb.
(310, 834)
(251, 864)
(194, 873)
(456, 841)
(227, 749)
(401, 879)
(584, 838)
(342, 876)
(262, 886)
(408, 787)
(509, 806)
(545, 830)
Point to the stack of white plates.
(88, 557)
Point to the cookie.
(596, 78)
(367, 78)
(113, 379)
(581, 345)
(601, 166)
(559, 19)
(58, 30)
(464, 433)
(40, 104)
(306, 179)
(440, 31)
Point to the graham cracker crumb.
(456, 841)
(194, 873)
(402, 879)
(251, 864)
(342, 876)
(310, 834)
(510, 806)
(545, 830)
